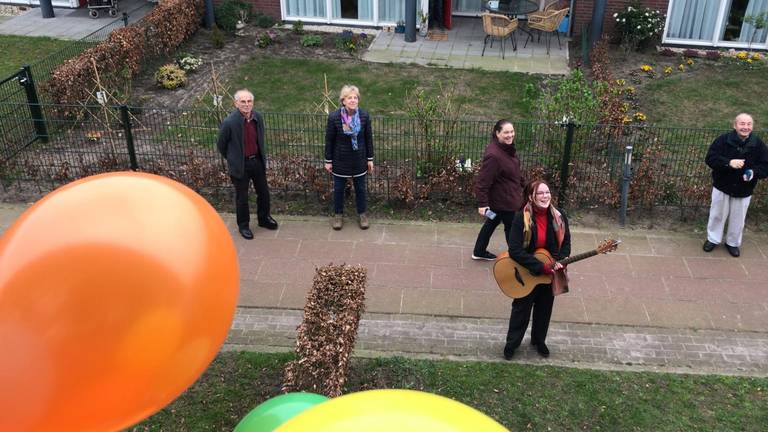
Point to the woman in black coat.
(539, 225)
(349, 153)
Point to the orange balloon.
(116, 292)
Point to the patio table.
(512, 9)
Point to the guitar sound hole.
(519, 277)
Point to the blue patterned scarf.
(351, 125)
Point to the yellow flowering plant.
(681, 67)
(646, 68)
(668, 70)
(640, 117)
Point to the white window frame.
(344, 21)
(715, 42)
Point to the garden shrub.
(188, 62)
(636, 26)
(264, 21)
(217, 37)
(298, 27)
(229, 12)
(266, 38)
(311, 40)
(124, 52)
(713, 55)
(170, 76)
(349, 42)
(326, 335)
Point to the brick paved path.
(658, 302)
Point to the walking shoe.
(542, 349)
(508, 353)
(733, 250)
(485, 255)
(246, 233)
(363, 221)
(268, 223)
(337, 221)
(708, 246)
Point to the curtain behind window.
(305, 8)
(753, 8)
(692, 19)
(392, 11)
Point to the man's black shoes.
(708, 246)
(246, 233)
(268, 223)
(508, 353)
(733, 250)
(542, 349)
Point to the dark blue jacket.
(338, 146)
(729, 146)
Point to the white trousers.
(725, 207)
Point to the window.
(714, 23)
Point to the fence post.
(626, 177)
(566, 162)
(41, 131)
(125, 19)
(125, 117)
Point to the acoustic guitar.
(516, 281)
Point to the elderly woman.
(349, 153)
(499, 187)
(539, 225)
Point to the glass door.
(735, 27)
(360, 10)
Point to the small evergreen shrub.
(229, 12)
(170, 76)
(298, 27)
(217, 37)
(311, 40)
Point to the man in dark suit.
(241, 143)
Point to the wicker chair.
(547, 24)
(499, 27)
(549, 7)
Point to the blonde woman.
(349, 154)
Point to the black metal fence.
(415, 159)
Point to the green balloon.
(272, 413)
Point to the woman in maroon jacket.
(499, 187)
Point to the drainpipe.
(596, 26)
(410, 20)
(46, 7)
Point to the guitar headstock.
(608, 245)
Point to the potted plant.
(423, 23)
(400, 27)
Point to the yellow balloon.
(391, 410)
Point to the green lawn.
(521, 397)
(709, 98)
(296, 85)
(21, 50)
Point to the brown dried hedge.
(122, 54)
(327, 334)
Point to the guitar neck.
(578, 257)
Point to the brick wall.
(267, 7)
(582, 15)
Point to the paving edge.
(590, 346)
